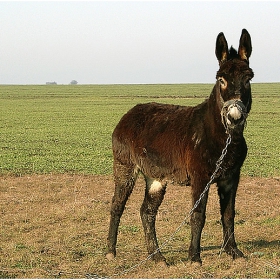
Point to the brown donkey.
(182, 144)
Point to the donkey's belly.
(162, 168)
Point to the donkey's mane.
(233, 53)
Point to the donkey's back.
(154, 139)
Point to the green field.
(67, 129)
(54, 220)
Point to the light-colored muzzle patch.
(233, 113)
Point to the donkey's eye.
(222, 81)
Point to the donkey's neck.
(213, 113)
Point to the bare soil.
(55, 226)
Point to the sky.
(131, 42)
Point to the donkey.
(172, 143)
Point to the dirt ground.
(55, 226)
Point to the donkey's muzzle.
(233, 113)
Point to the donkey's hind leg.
(154, 194)
(124, 177)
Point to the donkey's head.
(233, 80)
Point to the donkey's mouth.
(234, 114)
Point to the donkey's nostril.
(232, 121)
(234, 112)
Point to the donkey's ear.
(245, 45)
(221, 48)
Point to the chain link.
(212, 178)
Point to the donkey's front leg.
(197, 224)
(154, 195)
(227, 193)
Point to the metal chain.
(212, 178)
(218, 165)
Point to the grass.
(67, 129)
(62, 128)
(55, 226)
(56, 187)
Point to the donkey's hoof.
(197, 263)
(195, 259)
(162, 264)
(110, 256)
(235, 253)
(160, 260)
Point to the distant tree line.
(51, 83)
(73, 82)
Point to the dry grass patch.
(55, 226)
